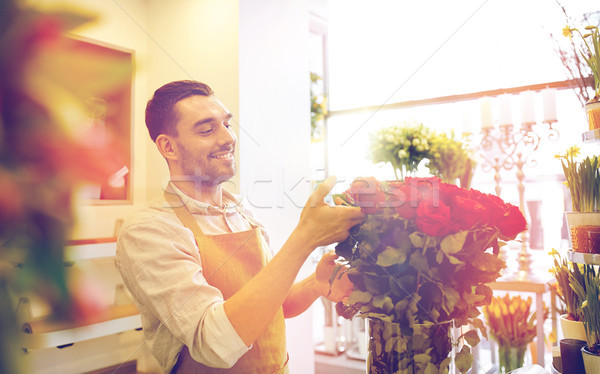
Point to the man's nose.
(227, 136)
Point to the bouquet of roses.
(421, 255)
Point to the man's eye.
(205, 130)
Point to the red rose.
(466, 212)
(403, 197)
(495, 207)
(428, 189)
(512, 223)
(366, 193)
(434, 220)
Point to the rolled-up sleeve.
(161, 267)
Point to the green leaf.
(478, 324)
(452, 244)
(453, 260)
(472, 337)
(384, 303)
(417, 239)
(391, 256)
(422, 359)
(439, 257)
(390, 344)
(419, 262)
(359, 297)
(431, 369)
(464, 359)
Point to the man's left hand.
(341, 286)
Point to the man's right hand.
(322, 224)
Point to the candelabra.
(507, 147)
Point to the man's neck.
(211, 194)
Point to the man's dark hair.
(160, 110)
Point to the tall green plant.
(590, 306)
(591, 52)
(583, 180)
(563, 271)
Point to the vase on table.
(510, 357)
(395, 348)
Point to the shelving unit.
(45, 332)
(583, 258)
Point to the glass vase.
(510, 357)
(393, 348)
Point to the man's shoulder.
(156, 214)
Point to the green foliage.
(563, 271)
(589, 292)
(583, 180)
(318, 108)
(591, 52)
(406, 146)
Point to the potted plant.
(406, 146)
(590, 52)
(572, 321)
(583, 181)
(513, 327)
(403, 146)
(450, 159)
(420, 261)
(589, 292)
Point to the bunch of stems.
(583, 180)
(562, 271)
(589, 292)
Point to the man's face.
(205, 140)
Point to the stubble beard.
(195, 172)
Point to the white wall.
(275, 131)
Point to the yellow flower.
(567, 31)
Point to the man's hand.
(341, 286)
(322, 224)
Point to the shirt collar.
(230, 202)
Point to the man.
(196, 262)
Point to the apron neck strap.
(183, 213)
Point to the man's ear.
(167, 147)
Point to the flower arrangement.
(591, 52)
(421, 255)
(563, 271)
(513, 327)
(403, 146)
(583, 180)
(450, 159)
(406, 146)
(318, 108)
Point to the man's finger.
(324, 188)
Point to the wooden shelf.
(45, 333)
(591, 136)
(583, 258)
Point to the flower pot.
(571, 357)
(592, 109)
(591, 361)
(584, 229)
(392, 349)
(572, 329)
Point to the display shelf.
(88, 249)
(583, 258)
(45, 333)
(591, 136)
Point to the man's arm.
(305, 292)
(252, 308)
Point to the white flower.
(402, 154)
(416, 141)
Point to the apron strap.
(183, 213)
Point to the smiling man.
(211, 295)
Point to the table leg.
(539, 305)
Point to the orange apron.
(229, 261)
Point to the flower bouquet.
(513, 327)
(419, 261)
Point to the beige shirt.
(160, 265)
